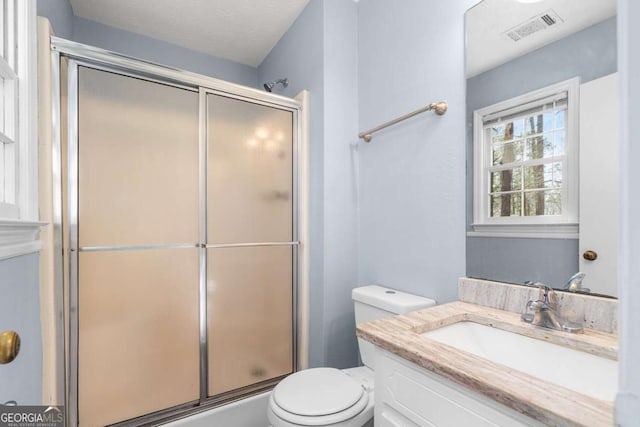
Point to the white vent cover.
(533, 25)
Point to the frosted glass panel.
(249, 172)
(138, 340)
(249, 316)
(138, 161)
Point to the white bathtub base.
(249, 412)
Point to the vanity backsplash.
(594, 312)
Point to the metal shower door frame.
(79, 55)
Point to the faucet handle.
(539, 285)
(544, 292)
(574, 284)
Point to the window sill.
(19, 237)
(529, 231)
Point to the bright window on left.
(9, 134)
(18, 113)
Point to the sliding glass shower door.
(138, 341)
(249, 251)
(181, 217)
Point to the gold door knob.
(590, 255)
(9, 346)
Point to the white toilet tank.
(376, 302)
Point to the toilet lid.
(318, 391)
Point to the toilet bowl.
(340, 398)
(323, 397)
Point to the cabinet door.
(408, 395)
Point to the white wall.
(628, 402)
(412, 176)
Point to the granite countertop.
(546, 402)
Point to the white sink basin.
(576, 370)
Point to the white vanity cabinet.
(408, 395)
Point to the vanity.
(466, 364)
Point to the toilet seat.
(319, 396)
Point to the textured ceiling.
(243, 31)
(487, 22)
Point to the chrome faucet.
(542, 312)
(574, 284)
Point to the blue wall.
(340, 180)
(143, 47)
(68, 26)
(299, 56)
(60, 15)
(412, 176)
(518, 260)
(589, 54)
(390, 212)
(21, 380)
(319, 53)
(365, 63)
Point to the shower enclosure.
(178, 226)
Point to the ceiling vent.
(533, 25)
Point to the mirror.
(542, 171)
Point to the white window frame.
(9, 136)
(19, 225)
(561, 226)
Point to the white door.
(599, 193)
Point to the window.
(17, 107)
(18, 127)
(526, 170)
(8, 110)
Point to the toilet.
(334, 397)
